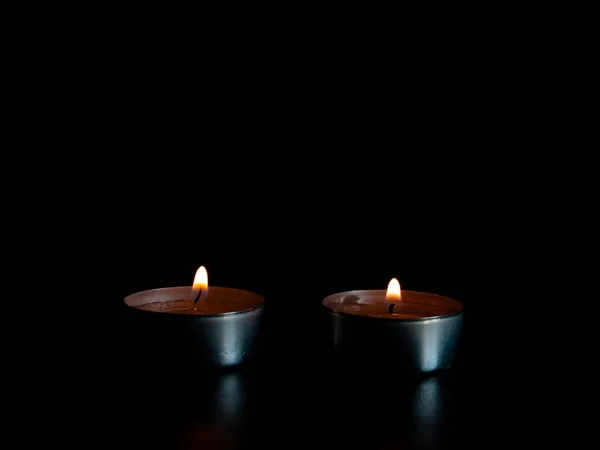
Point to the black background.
(296, 225)
(298, 196)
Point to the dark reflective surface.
(294, 392)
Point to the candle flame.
(393, 293)
(200, 281)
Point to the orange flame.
(200, 281)
(393, 294)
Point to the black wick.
(197, 298)
(391, 308)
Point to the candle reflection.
(427, 410)
(425, 418)
(391, 408)
(219, 424)
(229, 400)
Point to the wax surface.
(179, 300)
(413, 305)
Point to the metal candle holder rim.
(411, 319)
(197, 316)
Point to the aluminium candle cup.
(425, 339)
(219, 340)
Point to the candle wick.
(391, 308)
(197, 298)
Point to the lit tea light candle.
(419, 330)
(222, 322)
(198, 299)
(392, 303)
